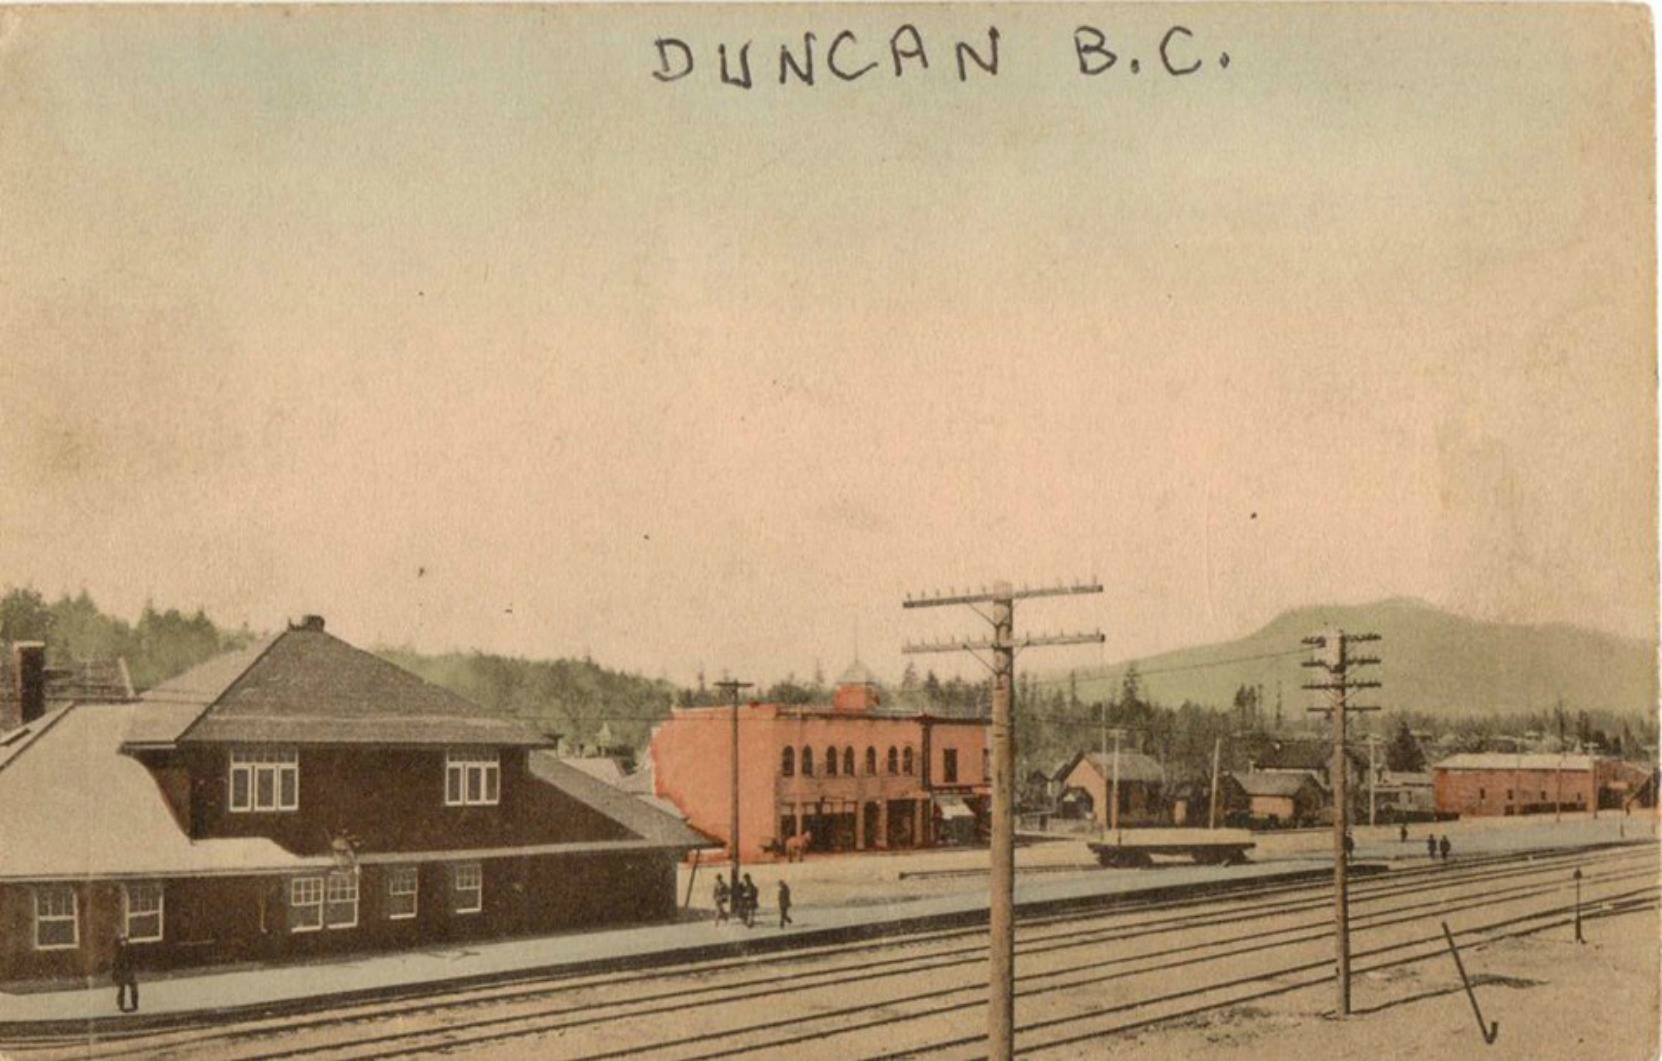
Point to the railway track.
(1061, 954)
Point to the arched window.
(830, 762)
(848, 762)
(871, 760)
(807, 762)
(787, 762)
(906, 761)
(894, 760)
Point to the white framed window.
(265, 779)
(305, 904)
(403, 884)
(472, 778)
(57, 924)
(340, 901)
(467, 888)
(142, 906)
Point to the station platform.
(187, 996)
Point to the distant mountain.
(1431, 661)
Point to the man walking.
(751, 896)
(1444, 847)
(1431, 845)
(721, 899)
(126, 980)
(784, 904)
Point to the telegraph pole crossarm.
(1001, 995)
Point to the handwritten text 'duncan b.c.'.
(845, 58)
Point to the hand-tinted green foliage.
(572, 698)
(160, 645)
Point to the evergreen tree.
(1403, 754)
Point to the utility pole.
(1333, 656)
(1373, 779)
(1217, 749)
(1558, 787)
(1001, 994)
(733, 688)
(1102, 720)
(1114, 797)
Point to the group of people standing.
(745, 901)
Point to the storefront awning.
(953, 807)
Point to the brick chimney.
(29, 667)
(308, 622)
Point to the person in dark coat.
(784, 904)
(751, 895)
(1405, 832)
(1350, 846)
(721, 894)
(1444, 846)
(1431, 845)
(126, 979)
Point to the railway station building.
(851, 775)
(302, 798)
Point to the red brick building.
(1503, 783)
(299, 798)
(848, 776)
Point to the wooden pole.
(1217, 749)
(733, 688)
(1341, 816)
(1001, 1009)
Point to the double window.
(57, 926)
(472, 778)
(323, 902)
(340, 900)
(265, 779)
(142, 910)
(467, 888)
(402, 885)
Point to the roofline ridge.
(55, 717)
(271, 643)
(468, 700)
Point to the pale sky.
(459, 328)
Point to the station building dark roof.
(306, 686)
